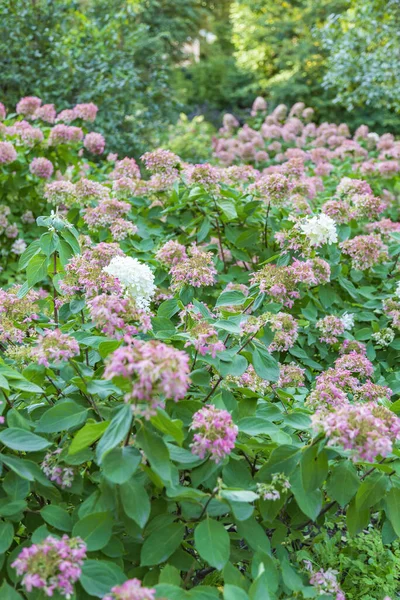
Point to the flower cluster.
(135, 278)
(63, 476)
(154, 372)
(285, 329)
(131, 590)
(171, 253)
(52, 566)
(85, 272)
(272, 491)
(215, 433)
(54, 347)
(197, 269)
(366, 430)
(325, 581)
(365, 251)
(114, 315)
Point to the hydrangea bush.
(199, 372)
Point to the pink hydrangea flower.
(54, 347)
(86, 112)
(131, 590)
(52, 566)
(215, 433)
(41, 167)
(155, 372)
(94, 143)
(366, 430)
(28, 106)
(7, 153)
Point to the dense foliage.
(118, 54)
(198, 365)
(143, 62)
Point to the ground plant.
(199, 362)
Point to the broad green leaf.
(9, 593)
(120, 464)
(159, 546)
(64, 415)
(48, 242)
(232, 592)
(6, 536)
(157, 453)
(254, 535)
(57, 517)
(343, 483)
(314, 468)
(20, 439)
(265, 365)
(173, 427)
(230, 298)
(115, 432)
(37, 269)
(371, 490)
(212, 543)
(282, 460)
(392, 503)
(356, 520)
(95, 530)
(135, 502)
(29, 253)
(86, 436)
(310, 502)
(99, 576)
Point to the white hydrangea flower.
(320, 229)
(348, 320)
(397, 292)
(384, 337)
(136, 278)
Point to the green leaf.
(37, 269)
(57, 517)
(168, 308)
(356, 520)
(228, 207)
(95, 530)
(282, 460)
(135, 502)
(25, 441)
(157, 453)
(159, 546)
(371, 490)
(265, 365)
(115, 432)
(120, 464)
(232, 592)
(254, 535)
(65, 252)
(49, 242)
(8, 593)
(71, 240)
(64, 415)
(6, 536)
(392, 503)
(343, 483)
(310, 502)
(173, 427)
(212, 543)
(29, 253)
(99, 576)
(314, 468)
(230, 298)
(86, 436)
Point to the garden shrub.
(199, 377)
